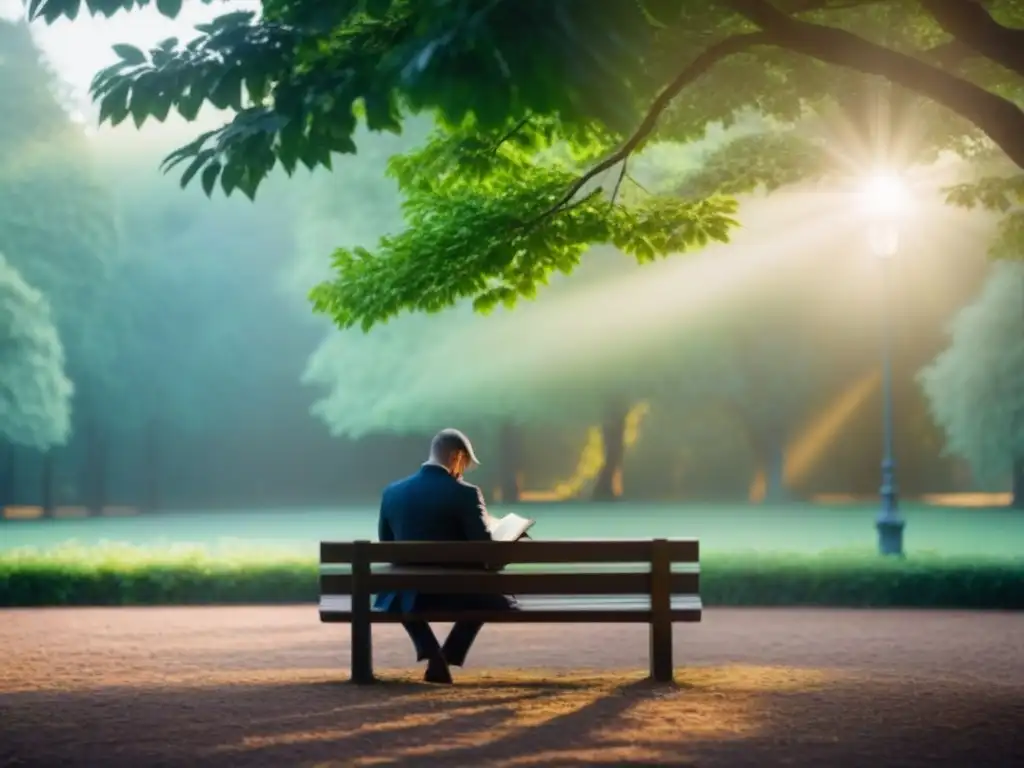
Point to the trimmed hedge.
(130, 576)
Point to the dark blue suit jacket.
(430, 505)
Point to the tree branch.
(618, 182)
(810, 6)
(513, 131)
(971, 24)
(637, 184)
(1000, 118)
(730, 46)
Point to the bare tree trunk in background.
(510, 457)
(152, 464)
(46, 484)
(768, 445)
(8, 466)
(8, 480)
(95, 478)
(773, 463)
(613, 434)
(1017, 499)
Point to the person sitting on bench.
(436, 504)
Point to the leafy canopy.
(479, 224)
(595, 80)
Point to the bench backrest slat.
(576, 551)
(483, 582)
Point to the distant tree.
(417, 374)
(758, 358)
(503, 373)
(554, 364)
(56, 222)
(202, 337)
(976, 386)
(35, 392)
(183, 327)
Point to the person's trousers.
(463, 634)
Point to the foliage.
(557, 361)
(975, 388)
(1005, 195)
(35, 393)
(56, 224)
(187, 342)
(417, 374)
(478, 227)
(420, 372)
(766, 160)
(301, 76)
(124, 576)
(299, 73)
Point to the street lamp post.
(886, 200)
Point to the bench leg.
(362, 634)
(661, 651)
(362, 651)
(661, 612)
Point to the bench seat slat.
(440, 581)
(532, 551)
(550, 608)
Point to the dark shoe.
(437, 671)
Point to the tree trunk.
(510, 456)
(608, 486)
(95, 470)
(1017, 499)
(46, 484)
(8, 468)
(773, 462)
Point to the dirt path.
(262, 687)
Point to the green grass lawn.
(796, 555)
(804, 529)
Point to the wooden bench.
(597, 582)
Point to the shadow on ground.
(724, 716)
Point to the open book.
(511, 527)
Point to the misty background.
(163, 354)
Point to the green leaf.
(289, 144)
(143, 98)
(68, 10)
(256, 86)
(376, 8)
(200, 160)
(34, 7)
(249, 183)
(227, 93)
(191, 149)
(169, 8)
(190, 102)
(209, 178)
(380, 113)
(129, 54)
(114, 106)
(231, 176)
